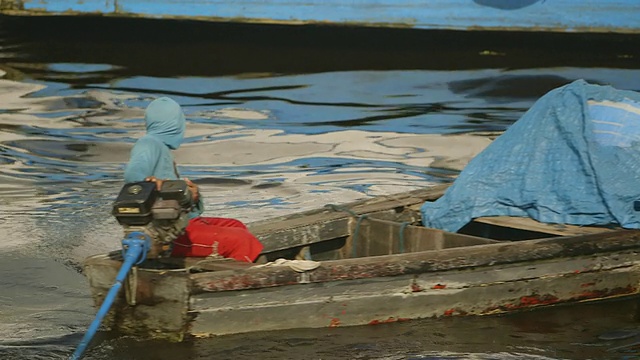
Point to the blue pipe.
(135, 247)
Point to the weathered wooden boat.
(621, 16)
(376, 264)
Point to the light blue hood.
(151, 155)
(165, 120)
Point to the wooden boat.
(376, 264)
(620, 16)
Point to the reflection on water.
(280, 120)
(578, 332)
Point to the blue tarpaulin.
(572, 158)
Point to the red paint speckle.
(439, 286)
(537, 300)
(449, 312)
(335, 322)
(386, 321)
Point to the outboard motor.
(160, 214)
(152, 220)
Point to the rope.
(354, 237)
(135, 248)
(403, 226)
(338, 208)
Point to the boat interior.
(345, 234)
(388, 233)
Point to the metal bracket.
(131, 286)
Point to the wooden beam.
(421, 262)
(331, 222)
(533, 225)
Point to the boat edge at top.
(590, 16)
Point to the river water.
(280, 119)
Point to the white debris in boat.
(295, 265)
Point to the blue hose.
(135, 247)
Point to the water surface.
(280, 119)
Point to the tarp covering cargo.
(572, 158)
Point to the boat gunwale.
(451, 259)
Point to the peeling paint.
(388, 320)
(335, 322)
(606, 293)
(536, 300)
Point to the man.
(152, 160)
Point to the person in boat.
(151, 159)
(572, 158)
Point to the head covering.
(165, 120)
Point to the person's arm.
(143, 160)
(199, 206)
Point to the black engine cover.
(133, 204)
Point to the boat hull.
(434, 274)
(620, 16)
(441, 294)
